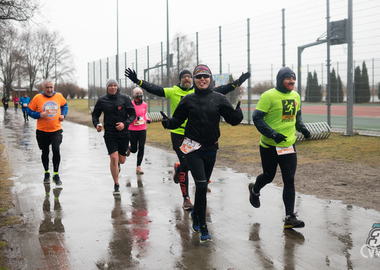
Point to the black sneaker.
(195, 227)
(57, 180)
(47, 179)
(292, 222)
(253, 197)
(205, 236)
(176, 172)
(116, 189)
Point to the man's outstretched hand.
(131, 74)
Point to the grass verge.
(240, 143)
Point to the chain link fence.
(256, 45)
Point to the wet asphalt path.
(82, 225)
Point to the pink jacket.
(141, 117)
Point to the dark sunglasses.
(139, 96)
(205, 76)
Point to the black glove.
(131, 74)
(243, 77)
(238, 105)
(165, 120)
(278, 137)
(149, 121)
(306, 133)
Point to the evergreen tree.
(361, 83)
(317, 94)
(366, 92)
(309, 82)
(340, 90)
(333, 86)
(336, 88)
(313, 90)
(357, 84)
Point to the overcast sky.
(89, 26)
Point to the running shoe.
(176, 172)
(253, 197)
(139, 171)
(291, 221)
(194, 219)
(57, 180)
(47, 179)
(116, 189)
(187, 205)
(205, 236)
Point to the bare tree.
(31, 58)
(183, 55)
(182, 46)
(17, 10)
(261, 87)
(10, 57)
(56, 60)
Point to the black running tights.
(201, 167)
(138, 137)
(177, 141)
(45, 139)
(288, 165)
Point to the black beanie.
(183, 72)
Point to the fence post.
(249, 69)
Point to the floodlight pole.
(328, 88)
(55, 67)
(117, 40)
(283, 37)
(167, 52)
(350, 89)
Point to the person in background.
(202, 110)
(15, 102)
(277, 116)
(5, 101)
(50, 109)
(119, 113)
(138, 128)
(175, 94)
(24, 102)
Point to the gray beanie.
(109, 81)
(183, 72)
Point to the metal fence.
(259, 45)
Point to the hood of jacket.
(281, 75)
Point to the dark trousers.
(45, 139)
(201, 166)
(288, 164)
(177, 140)
(138, 138)
(25, 114)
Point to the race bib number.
(189, 146)
(51, 108)
(285, 150)
(25, 105)
(140, 121)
